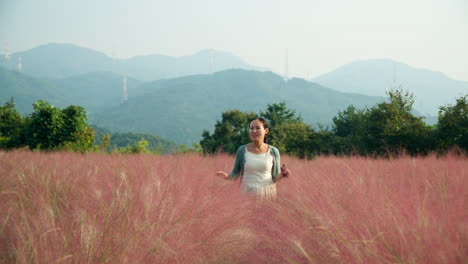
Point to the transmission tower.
(211, 61)
(7, 52)
(20, 63)
(286, 66)
(125, 94)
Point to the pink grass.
(100, 208)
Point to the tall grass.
(101, 208)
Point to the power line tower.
(211, 61)
(125, 94)
(286, 66)
(20, 63)
(7, 52)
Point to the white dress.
(257, 177)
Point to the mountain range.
(177, 109)
(180, 108)
(56, 60)
(374, 77)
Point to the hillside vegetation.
(180, 109)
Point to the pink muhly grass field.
(93, 208)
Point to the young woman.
(258, 163)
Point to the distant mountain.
(26, 90)
(65, 60)
(180, 109)
(374, 77)
(94, 91)
(58, 61)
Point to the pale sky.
(320, 35)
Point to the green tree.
(294, 138)
(105, 142)
(229, 133)
(287, 131)
(75, 132)
(44, 126)
(140, 147)
(452, 125)
(11, 125)
(350, 128)
(51, 128)
(278, 114)
(391, 127)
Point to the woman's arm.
(238, 164)
(237, 169)
(278, 172)
(285, 172)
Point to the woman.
(257, 163)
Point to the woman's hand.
(285, 171)
(222, 174)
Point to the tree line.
(385, 129)
(51, 128)
(47, 128)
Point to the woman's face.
(256, 131)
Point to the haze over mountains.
(65, 60)
(375, 77)
(181, 108)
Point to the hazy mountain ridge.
(373, 77)
(57, 60)
(94, 91)
(180, 109)
(26, 90)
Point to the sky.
(318, 36)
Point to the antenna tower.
(7, 52)
(125, 94)
(286, 66)
(211, 61)
(20, 63)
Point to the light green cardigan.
(238, 169)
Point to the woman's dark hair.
(264, 123)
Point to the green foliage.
(11, 125)
(44, 130)
(392, 128)
(196, 148)
(105, 142)
(452, 126)
(289, 134)
(350, 128)
(387, 128)
(140, 147)
(192, 104)
(127, 140)
(82, 140)
(47, 128)
(293, 138)
(229, 133)
(287, 131)
(279, 114)
(76, 133)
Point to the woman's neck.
(258, 144)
